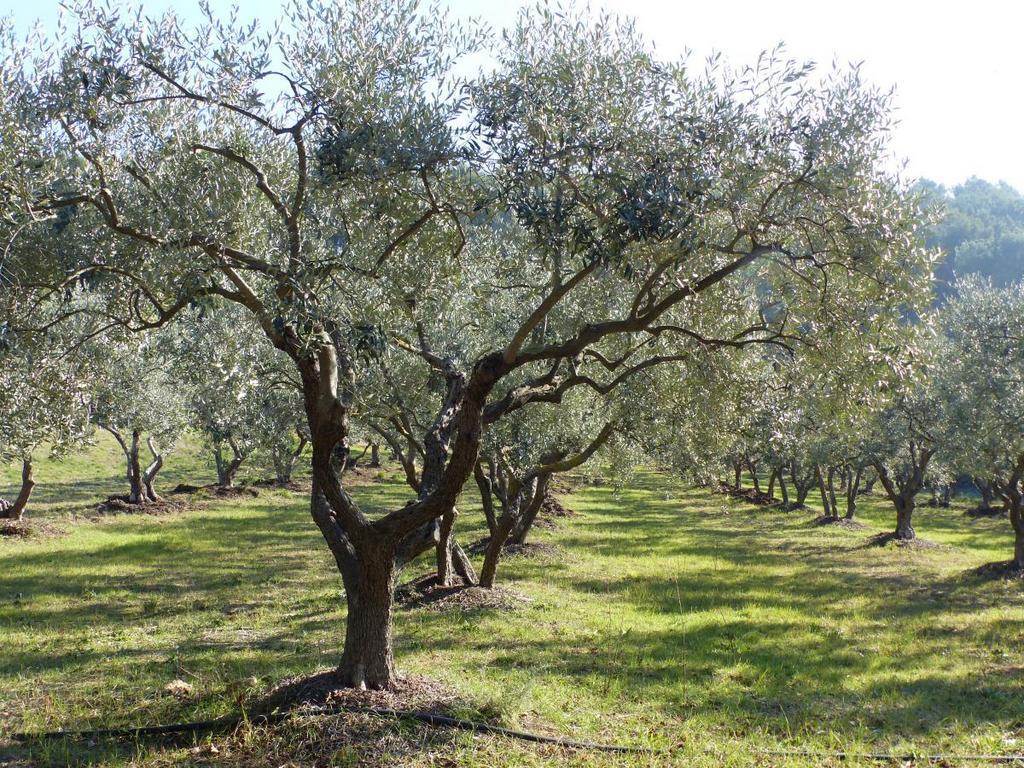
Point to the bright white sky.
(958, 67)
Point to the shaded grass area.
(667, 616)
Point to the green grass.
(672, 617)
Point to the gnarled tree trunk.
(227, 469)
(16, 509)
(852, 489)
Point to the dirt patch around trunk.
(885, 539)
(985, 512)
(325, 689)
(120, 505)
(840, 522)
(1007, 570)
(511, 549)
(295, 486)
(234, 492)
(760, 498)
(28, 529)
(425, 592)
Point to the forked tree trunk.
(988, 493)
(285, 458)
(783, 489)
(227, 469)
(525, 524)
(904, 489)
(16, 510)
(832, 491)
(752, 466)
(137, 490)
(852, 489)
(771, 482)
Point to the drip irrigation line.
(231, 722)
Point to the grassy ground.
(669, 617)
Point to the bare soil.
(28, 529)
(120, 505)
(983, 512)
(884, 539)
(425, 592)
(1006, 570)
(324, 689)
(841, 522)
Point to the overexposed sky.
(958, 68)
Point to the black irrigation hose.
(231, 722)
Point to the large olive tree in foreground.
(608, 206)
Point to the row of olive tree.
(580, 215)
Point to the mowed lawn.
(667, 616)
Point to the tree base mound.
(325, 689)
(27, 529)
(295, 486)
(426, 592)
(120, 505)
(1007, 570)
(748, 494)
(842, 522)
(234, 492)
(511, 549)
(985, 512)
(885, 539)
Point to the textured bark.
(852, 489)
(16, 510)
(802, 482)
(1017, 521)
(485, 485)
(752, 466)
(737, 469)
(902, 490)
(905, 519)
(227, 469)
(284, 460)
(529, 517)
(368, 660)
(783, 489)
(825, 502)
(375, 455)
(772, 478)
(493, 553)
(831, 483)
(987, 491)
(137, 491)
(445, 567)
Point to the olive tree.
(982, 363)
(608, 204)
(43, 404)
(133, 398)
(236, 388)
